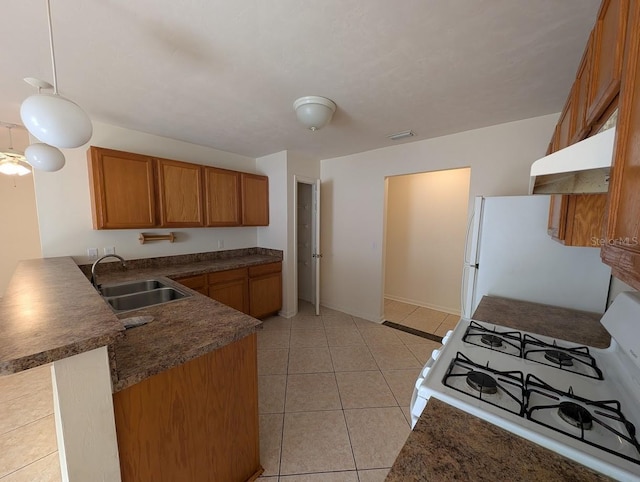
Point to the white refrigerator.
(508, 253)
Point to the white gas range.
(581, 402)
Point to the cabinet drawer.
(193, 282)
(228, 275)
(263, 269)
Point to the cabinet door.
(566, 124)
(230, 287)
(122, 188)
(608, 51)
(581, 94)
(577, 219)
(265, 289)
(180, 194)
(621, 250)
(255, 200)
(222, 197)
(197, 283)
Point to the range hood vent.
(581, 168)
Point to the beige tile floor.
(28, 447)
(334, 395)
(423, 319)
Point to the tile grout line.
(27, 465)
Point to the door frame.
(314, 222)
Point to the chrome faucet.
(93, 267)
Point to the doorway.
(425, 229)
(307, 242)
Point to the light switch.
(92, 253)
(109, 250)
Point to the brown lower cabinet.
(256, 291)
(194, 422)
(231, 288)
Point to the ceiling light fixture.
(314, 112)
(401, 135)
(52, 118)
(12, 162)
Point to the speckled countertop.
(50, 311)
(67, 316)
(450, 444)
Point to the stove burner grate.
(607, 414)
(576, 360)
(507, 342)
(575, 415)
(481, 382)
(502, 389)
(559, 358)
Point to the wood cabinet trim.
(227, 275)
(581, 102)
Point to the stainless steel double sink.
(134, 295)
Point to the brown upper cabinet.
(255, 200)
(133, 191)
(607, 56)
(566, 124)
(222, 195)
(621, 249)
(123, 189)
(581, 94)
(180, 193)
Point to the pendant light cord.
(53, 55)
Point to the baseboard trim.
(413, 331)
(445, 309)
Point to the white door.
(317, 253)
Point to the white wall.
(282, 167)
(19, 221)
(353, 199)
(64, 206)
(425, 234)
(19, 238)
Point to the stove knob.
(425, 370)
(419, 383)
(446, 337)
(435, 354)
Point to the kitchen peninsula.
(189, 377)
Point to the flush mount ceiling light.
(52, 118)
(12, 162)
(44, 157)
(314, 112)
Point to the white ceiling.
(225, 73)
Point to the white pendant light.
(314, 112)
(44, 157)
(52, 118)
(12, 162)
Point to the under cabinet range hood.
(581, 168)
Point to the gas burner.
(559, 358)
(491, 340)
(502, 389)
(576, 360)
(575, 415)
(599, 423)
(507, 342)
(481, 382)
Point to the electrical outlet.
(92, 253)
(220, 244)
(109, 250)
